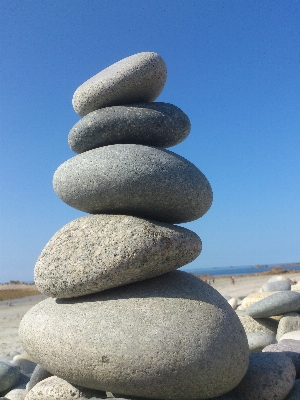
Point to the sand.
(11, 315)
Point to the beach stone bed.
(120, 320)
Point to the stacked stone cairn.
(119, 319)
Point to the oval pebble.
(103, 251)
(135, 79)
(167, 332)
(257, 341)
(132, 179)
(277, 304)
(276, 286)
(152, 124)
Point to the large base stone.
(160, 338)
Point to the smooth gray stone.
(276, 304)
(57, 388)
(277, 278)
(295, 393)
(9, 375)
(26, 366)
(103, 251)
(152, 124)
(167, 332)
(259, 340)
(132, 179)
(260, 325)
(38, 375)
(290, 348)
(135, 79)
(276, 286)
(269, 376)
(288, 323)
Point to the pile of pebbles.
(120, 321)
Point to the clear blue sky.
(233, 68)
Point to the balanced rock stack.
(120, 319)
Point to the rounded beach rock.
(103, 251)
(135, 79)
(255, 297)
(275, 286)
(290, 348)
(260, 325)
(152, 124)
(132, 179)
(269, 376)
(289, 322)
(57, 388)
(9, 375)
(259, 340)
(277, 304)
(167, 333)
(295, 392)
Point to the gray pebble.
(276, 286)
(9, 375)
(135, 79)
(132, 179)
(290, 348)
(276, 304)
(39, 374)
(103, 251)
(259, 340)
(152, 124)
(167, 332)
(16, 394)
(269, 376)
(288, 323)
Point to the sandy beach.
(12, 311)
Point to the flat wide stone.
(277, 304)
(132, 179)
(152, 124)
(160, 338)
(103, 251)
(135, 79)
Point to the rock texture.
(251, 325)
(99, 252)
(257, 341)
(288, 323)
(170, 329)
(290, 348)
(277, 304)
(254, 298)
(275, 286)
(56, 388)
(152, 124)
(135, 79)
(137, 180)
(269, 376)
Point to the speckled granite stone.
(103, 251)
(269, 376)
(167, 332)
(260, 325)
(277, 304)
(57, 388)
(288, 323)
(294, 335)
(259, 340)
(290, 348)
(132, 179)
(135, 79)
(275, 286)
(9, 375)
(152, 124)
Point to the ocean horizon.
(239, 270)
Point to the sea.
(241, 270)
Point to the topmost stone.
(138, 78)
